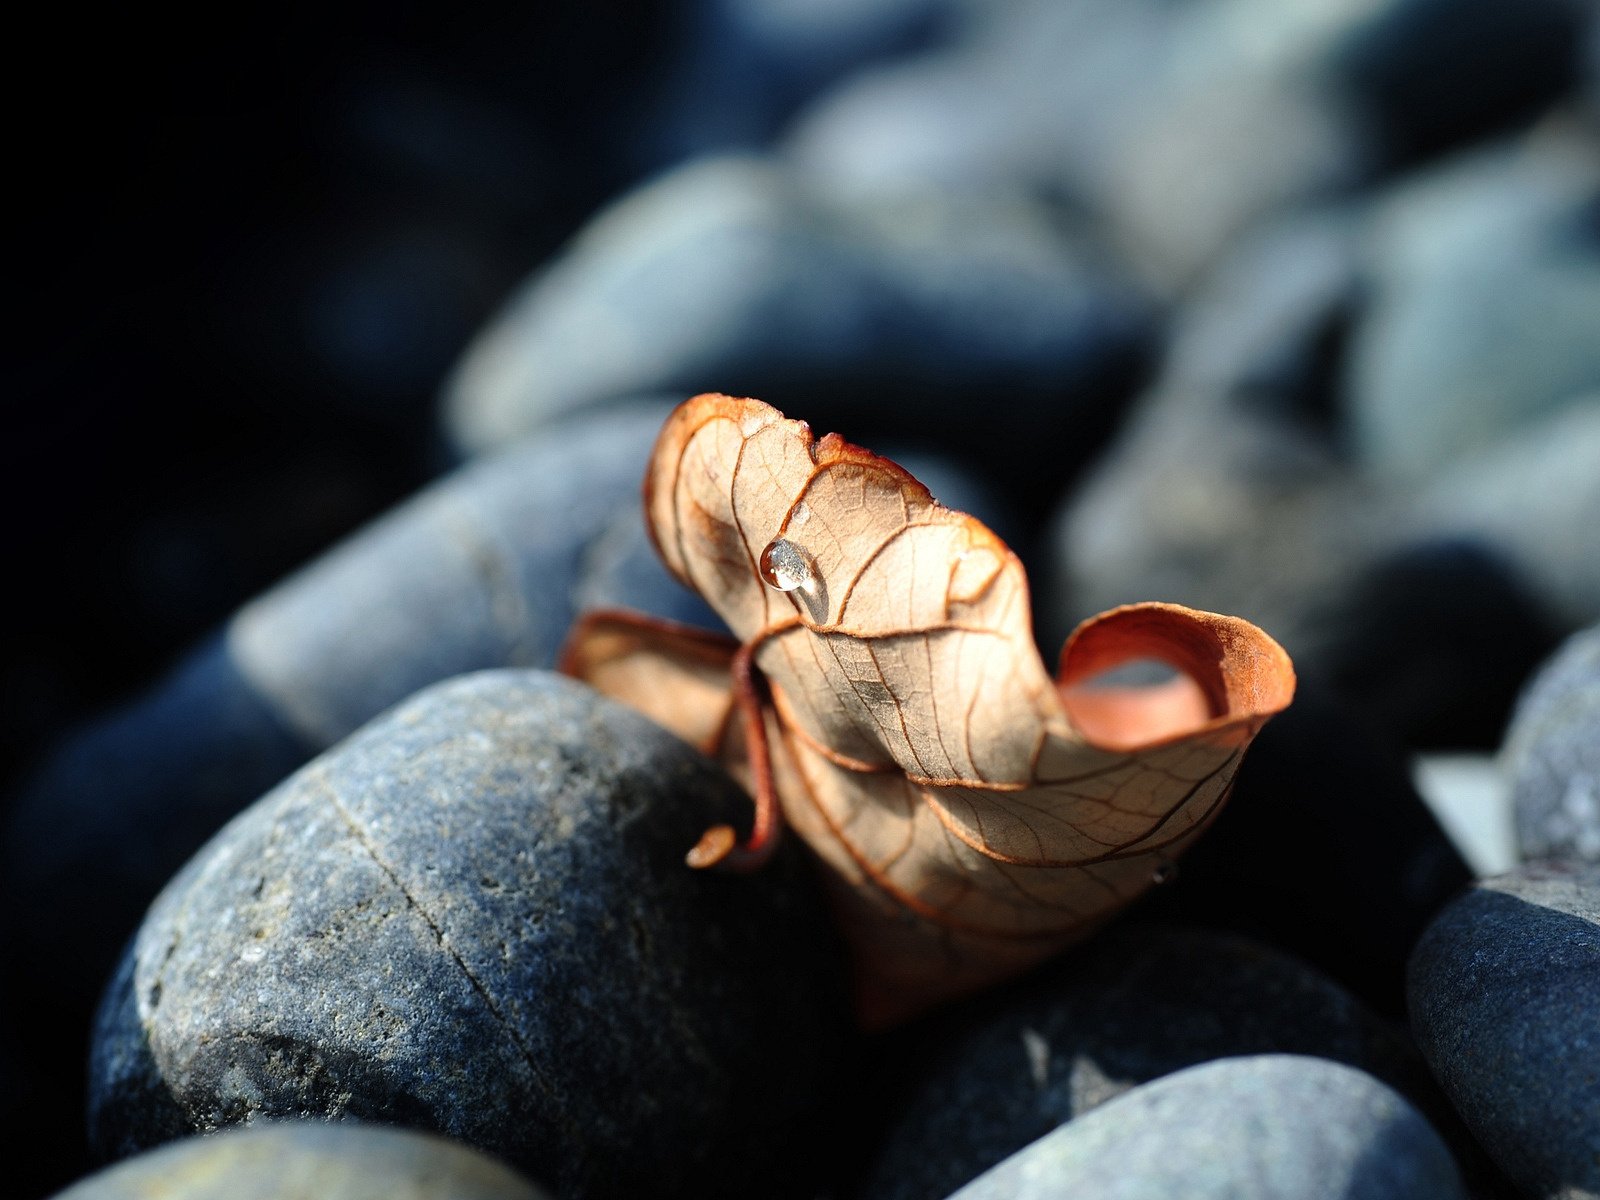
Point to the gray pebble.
(303, 1159)
(1552, 755)
(473, 917)
(1504, 992)
(1258, 1128)
(1137, 1004)
(478, 571)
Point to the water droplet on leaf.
(786, 566)
(1165, 872)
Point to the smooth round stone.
(1257, 1128)
(887, 320)
(478, 571)
(1137, 1004)
(1532, 498)
(1229, 143)
(1552, 755)
(1485, 282)
(1504, 991)
(473, 917)
(487, 568)
(1021, 93)
(295, 1160)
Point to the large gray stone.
(1505, 1003)
(1259, 1128)
(486, 568)
(1552, 755)
(302, 1159)
(1137, 1004)
(473, 917)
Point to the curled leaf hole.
(1134, 703)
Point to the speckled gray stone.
(299, 1160)
(1505, 1002)
(1137, 1004)
(486, 568)
(1259, 1128)
(474, 917)
(1552, 755)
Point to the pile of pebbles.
(1290, 311)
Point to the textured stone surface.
(885, 319)
(1255, 1128)
(486, 568)
(1552, 755)
(1504, 991)
(1136, 1004)
(473, 917)
(302, 1159)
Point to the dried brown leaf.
(883, 688)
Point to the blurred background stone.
(893, 320)
(289, 1160)
(734, 71)
(1485, 277)
(1504, 992)
(1552, 755)
(1261, 1126)
(473, 917)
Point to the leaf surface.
(882, 686)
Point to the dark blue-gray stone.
(1504, 990)
(486, 568)
(1552, 756)
(1325, 850)
(1136, 1004)
(295, 1160)
(735, 70)
(1259, 1128)
(473, 917)
(975, 325)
